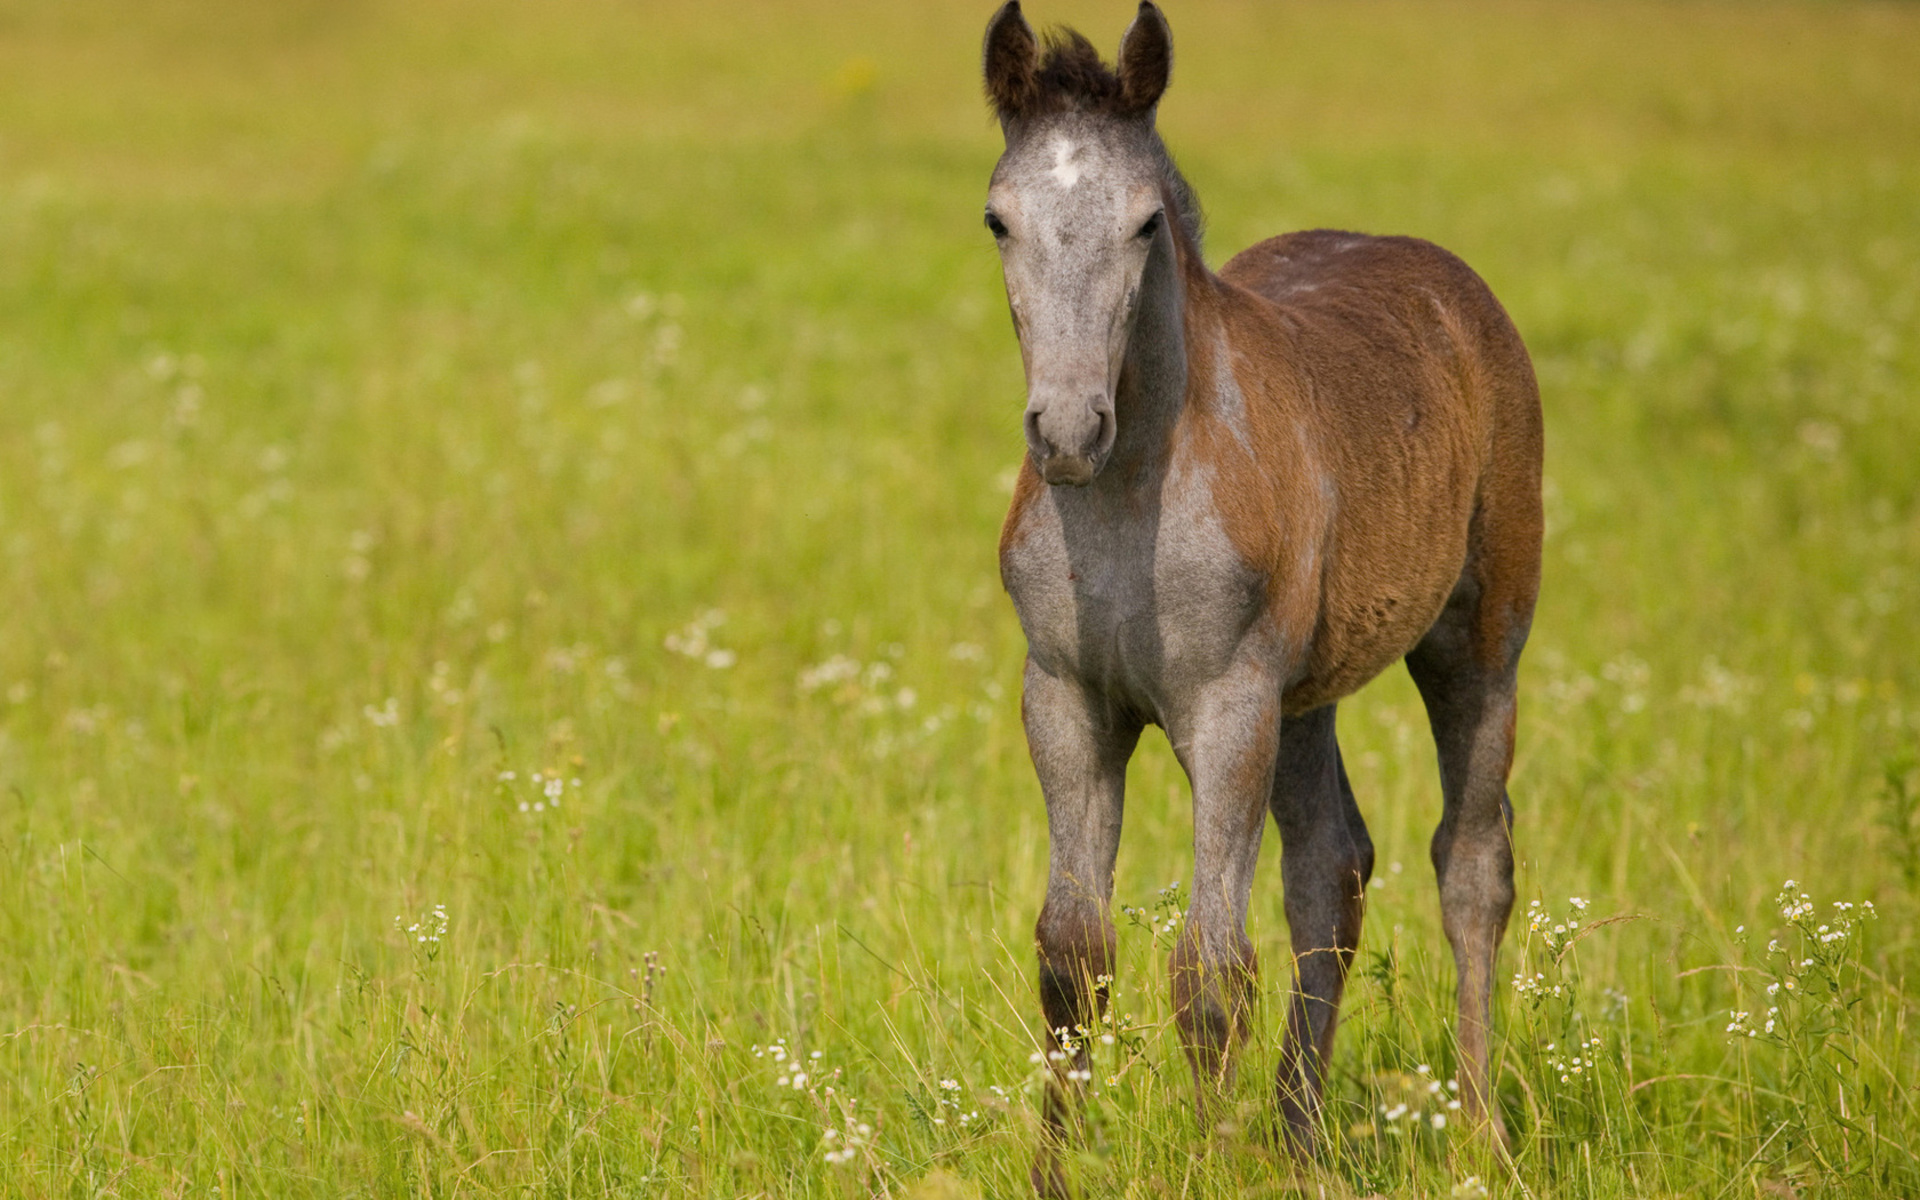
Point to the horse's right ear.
(1010, 63)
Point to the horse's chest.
(1149, 604)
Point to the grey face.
(1075, 206)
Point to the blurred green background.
(403, 400)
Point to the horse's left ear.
(1146, 60)
(1009, 62)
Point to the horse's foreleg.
(1227, 744)
(1471, 706)
(1080, 752)
(1325, 862)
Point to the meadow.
(506, 690)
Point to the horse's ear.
(1010, 63)
(1146, 60)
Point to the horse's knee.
(1076, 946)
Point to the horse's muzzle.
(1070, 440)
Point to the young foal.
(1247, 494)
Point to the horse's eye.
(1152, 226)
(995, 225)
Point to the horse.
(1245, 494)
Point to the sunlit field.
(505, 688)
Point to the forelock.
(1073, 77)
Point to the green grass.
(384, 386)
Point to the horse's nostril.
(1107, 429)
(1035, 441)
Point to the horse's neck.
(1153, 381)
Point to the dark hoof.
(1049, 1177)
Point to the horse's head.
(1077, 205)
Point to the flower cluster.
(695, 641)
(548, 789)
(1820, 939)
(1821, 957)
(1575, 1066)
(427, 931)
(802, 1072)
(949, 1101)
(1072, 1059)
(1538, 987)
(838, 669)
(1164, 917)
(1556, 934)
(1793, 903)
(1070, 1047)
(1719, 688)
(794, 1069)
(1415, 1101)
(1741, 1023)
(440, 684)
(865, 685)
(843, 1146)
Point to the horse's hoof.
(1049, 1177)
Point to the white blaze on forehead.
(1065, 171)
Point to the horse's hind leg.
(1465, 669)
(1326, 859)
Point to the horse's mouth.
(1069, 470)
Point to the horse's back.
(1396, 293)
(1401, 356)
